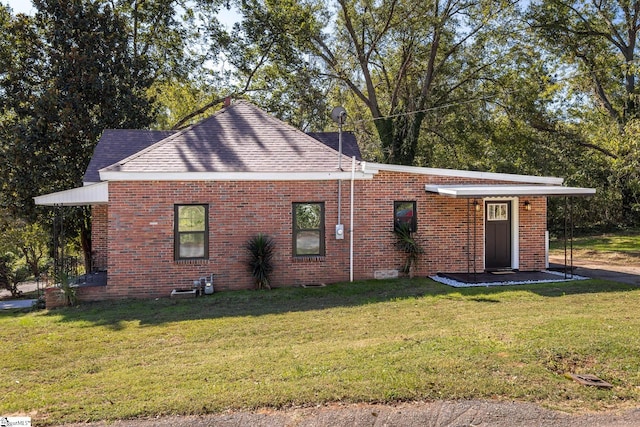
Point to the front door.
(498, 235)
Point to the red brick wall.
(99, 236)
(140, 232)
(533, 225)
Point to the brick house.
(169, 207)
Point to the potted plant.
(407, 244)
(261, 248)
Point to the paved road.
(415, 414)
(598, 270)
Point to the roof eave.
(472, 191)
(95, 194)
(232, 176)
(505, 177)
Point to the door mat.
(590, 380)
(503, 272)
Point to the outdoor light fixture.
(476, 205)
(527, 205)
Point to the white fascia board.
(95, 194)
(530, 179)
(231, 176)
(508, 190)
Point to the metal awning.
(470, 191)
(94, 194)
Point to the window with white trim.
(497, 212)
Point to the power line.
(487, 98)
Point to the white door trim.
(515, 229)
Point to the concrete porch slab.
(464, 280)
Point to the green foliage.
(6, 276)
(598, 42)
(27, 239)
(12, 272)
(270, 54)
(407, 243)
(74, 76)
(261, 249)
(64, 281)
(308, 215)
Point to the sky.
(20, 6)
(226, 17)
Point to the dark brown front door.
(498, 235)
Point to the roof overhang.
(94, 194)
(494, 176)
(232, 176)
(471, 191)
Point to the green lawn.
(628, 243)
(376, 341)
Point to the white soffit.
(494, 176)
(508, 190)
(94, 194)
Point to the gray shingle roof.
(117, 144)
(332, 139)
(239, 138)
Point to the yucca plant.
(261, 248)
(407, 244)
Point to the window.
(191, 232)
(308, 229)
(497, 212)
(405, 213)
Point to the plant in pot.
(261, 249)
(407, 243)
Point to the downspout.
(341, 118)
(353, 178)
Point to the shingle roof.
(117, 144)
(332, 139)
(239, 138)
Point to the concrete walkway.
(6, 303)
(16, 303)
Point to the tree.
(23, 250)
(28, 240)
(597, 42)
(74, 75)
(399, 59)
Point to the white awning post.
(353, 178)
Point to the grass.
(618, 242)
(615, 248)
(374, 341)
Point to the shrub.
(407, 244)
(261, 248)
